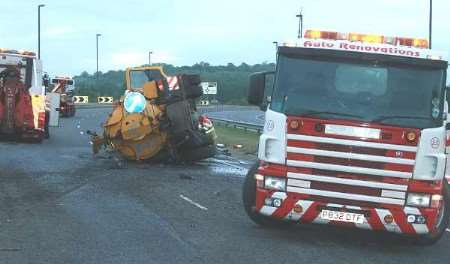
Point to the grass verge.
(230, 136)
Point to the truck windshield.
(21, 64)
(369, 92)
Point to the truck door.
(54, 101)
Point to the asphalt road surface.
(59, 204)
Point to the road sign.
(105, 99)
(204, 102)
(209, 87)
(81, 99)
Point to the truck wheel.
(46, 126)
(249, 200)
(442, 222)
(199, 153)
(47, 133)
(36, 140)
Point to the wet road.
(59, 204)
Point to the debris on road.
(185, 176)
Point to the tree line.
(232, 80)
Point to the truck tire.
(191, 85)
(199, 153)
(249, 201)
(442, 222)
(46, 126)
(35, 141)
(47, 134)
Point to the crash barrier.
(78, 99)
(237, 124)
(105, 100)
(204, 102)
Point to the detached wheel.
(249, 200)
(442, 222)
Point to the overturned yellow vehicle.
(157, 119)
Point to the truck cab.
(22, 96)
(355, 135)
(64, 86)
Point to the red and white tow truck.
(355, 135)
(22, 96)
(65, 86)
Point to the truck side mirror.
(256, 89)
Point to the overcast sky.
(185, 32)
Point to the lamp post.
(276, 44)
(276, 49)
(39, 30)
(150, 58)
(430, 22)
(97, 35)
(300, 23)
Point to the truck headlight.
(275, 183)
(418, 200)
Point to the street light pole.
(97, 35)
(39, 30)
(300, 23)
(276, 49)
(275, 43)
(150, 58)
(431, 22)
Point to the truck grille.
(355, 171)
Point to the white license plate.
(361, 132)
(342, 216)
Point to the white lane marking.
(192, 202)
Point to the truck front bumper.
(303, 209)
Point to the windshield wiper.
(313, 113)
(382, 118)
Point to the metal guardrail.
(238, 124)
